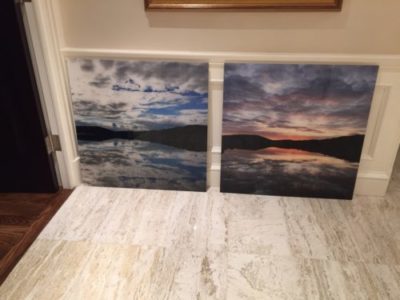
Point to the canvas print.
(141, 124)
(294, 130)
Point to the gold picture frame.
(308, 5)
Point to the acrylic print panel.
(294, 130)
(141, 124)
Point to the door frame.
(45, 39)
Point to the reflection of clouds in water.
(289, 160)
(304, 174)
(291, 168)
(142, 164)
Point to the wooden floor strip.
(22, 218)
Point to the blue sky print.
(126, 110)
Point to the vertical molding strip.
(379, 106)
(216, 81)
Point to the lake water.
(140, 164)
(287, 172)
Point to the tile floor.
(138, 244)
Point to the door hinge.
(53, 143)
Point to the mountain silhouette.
(96, 133)
(346, 147)
(190, 137)
(246, 142)
(194, 138)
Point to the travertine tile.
(255, 224)
(279, 277)
(217, 235)
(138, 217)
(374, 230)
(87, 270)
(82, 215)
(306, 235)
(132, 272)
(46, 271)
(147, 244)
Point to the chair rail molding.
(383, 132)
(387, 62)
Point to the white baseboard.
(372, 184)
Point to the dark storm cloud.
(312, 105)
(91, 108)
(241, 88)
(331, 87)
(304, 75)
(313, 81)
(173, 73)
(107, 64)
(87, 65)
(274, 93)
(100, 81)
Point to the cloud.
(142, 164)
(139, 95)
(191, 76)
(107, 64)
(101, 81)
(238, 88)
(87, 65)
(91, 108)
(312, 99)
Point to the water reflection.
(287, 172)
(140, 164)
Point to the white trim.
(42, 79)
(372, 184)
(214, 84)
(58, 99)
(378, 107)
(215, 167)
(391, 62)
(374, 175)
(216, 150)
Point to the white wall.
(363, 26)
(365, 31)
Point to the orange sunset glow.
(297, 102)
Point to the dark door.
(25, 164)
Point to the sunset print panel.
(141, 124)
(294, 130)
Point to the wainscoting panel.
(382, 139)
(377, 113)
(383, 132)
